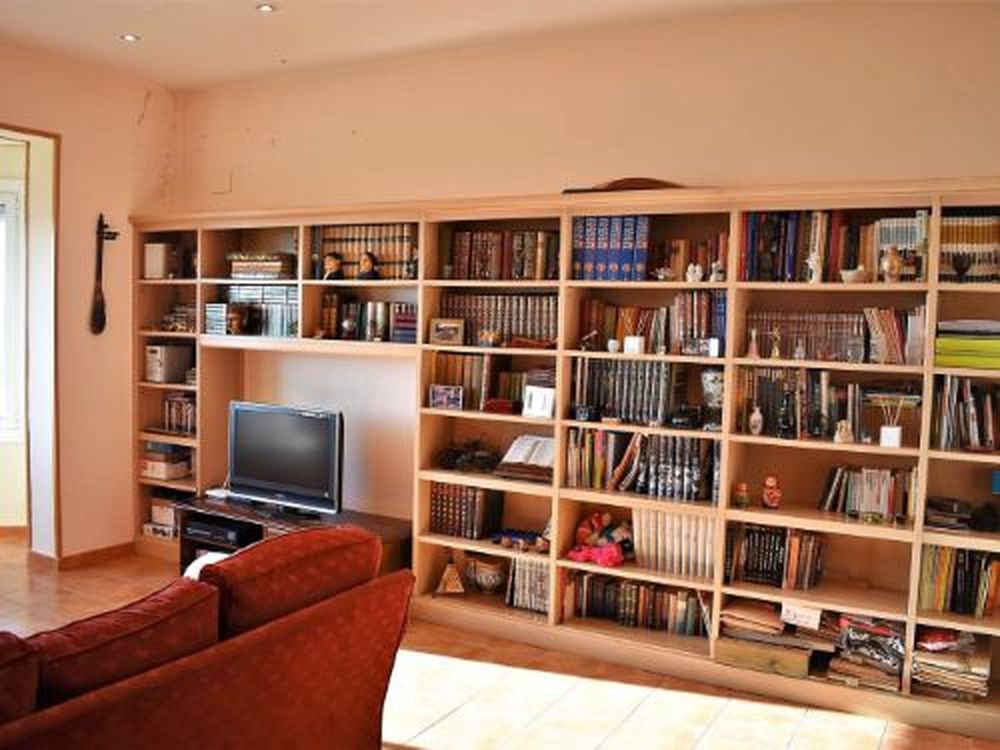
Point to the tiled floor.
(453, 689)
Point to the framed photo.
(539, 402)
(447, 331)
(447, 397)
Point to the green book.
(977, 361)
(967, 345)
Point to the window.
(12, 311)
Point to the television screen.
(286, 456)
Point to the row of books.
(686, 326)
(951, 665)
(630, 391)
(528, 585)
(966, 414)
(679, 469)
(802, 404)
(962, 581)
(610, 248)
(345, 317)
(467, 512)
(970, 249)
(512, 319)
(637, 605)
(482, 386)
(489, 255)
(393, 245)
(777, 245)
(254, 310)
(873, 494)
(968, 343)
(785, 558)
(678, 544)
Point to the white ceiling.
(188, 43)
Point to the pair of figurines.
(696, 273)
(770, 496)
(333, 266)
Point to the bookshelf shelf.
(838, 596)
(633, 428)
(825, 445)
(482, 546)
(168, 438)
(487, 416)
(810, 364)
(630, 500)
(810, 519)
(871, 569)
(612, 631)
(486, 482)
(633, 572)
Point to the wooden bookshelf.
(876, 569)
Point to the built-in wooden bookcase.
(870, 569)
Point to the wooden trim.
(15, 533)
(94, 556)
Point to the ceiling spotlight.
(267, 7)
(129, 37)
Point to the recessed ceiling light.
(267, 7)
(129, 37)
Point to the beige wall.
(14, 492)
(115, 157)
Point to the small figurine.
(771, 495)
(756, 421)
(741, 497)
(664, 274)
(694, 274)
(844, 433)
(800, 349)
(333, 266)
(368, 266)
(753, 351)
(775, 343)
(717, 273)
(451, 580)
(815, 267)
(892, 264)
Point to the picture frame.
(447, 331)
(450, 397)
(539, 402)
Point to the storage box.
(162, 513)
(161, 260)
(168, 363)
(164, 469)
(157, 531)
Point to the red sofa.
(289, 643)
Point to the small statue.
(741, 497)
(753, 351)
(368, 266)
(776, 343)
(348, 328)
(844, 433)
(756, 420)
(892, 264)
(771, 494)
(333, 266)
(694, 274)
(664, 274)
(800, 349)
(717, 273)
(815, 267)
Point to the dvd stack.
(216, 317)
(179, 413)
(403, 323)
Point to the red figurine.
(771, 496)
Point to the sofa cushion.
(175, 621)
(282, 574)
(18, 676)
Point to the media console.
(217, 525)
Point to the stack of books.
(513, 319)
(948, 513)
(674, 543)
(501, 255)
(530, 457)
(679, 469)
(528, 585)
(966, 414)
(873, 494)
(968, 343)
(962, 581)
(951, 665)
(690, 325)
(467, 512)
(785, 558)
(869, 653)
(263, 267)
(776, 245)
(970, 249)
(182, 318)
(393, 245)
(636, 605)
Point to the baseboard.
(14, 533)
(38, 561)
(91, 557)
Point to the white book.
(661, 540)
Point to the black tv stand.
(254, 521)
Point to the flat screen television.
(286, 456)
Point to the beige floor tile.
(759, 725)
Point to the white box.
(159, 260)
(168, 363)
(162, 513)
